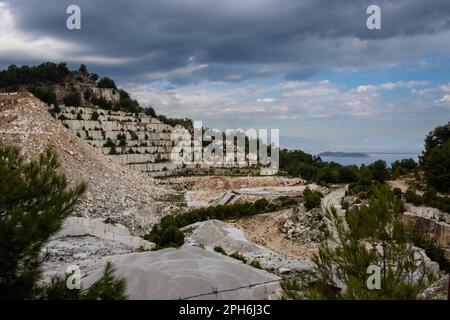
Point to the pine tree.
(34, 201)
(371, 236)
(435, 159)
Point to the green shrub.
(94, 116)
(166, 234)
(220, 250)
(73, 99)
(44, 94)
(433, 251)
(237, 256)
(113, 150)
(106, 83)
(109, 143)
(435, 160)
(312, 198)
(256, 264)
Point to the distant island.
(344, 154)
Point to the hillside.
(114, 191)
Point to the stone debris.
(304, 226)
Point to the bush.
(73, 99)
(113, 150)
(312, 199)
(379, 171)
(44, 94)
(106, 83)
(95, 116)
(166, 234)
(429, 198)
(256, 264)
(435, 159)
(403, 167)
(220, 250)
(434, 252)
(237, 256)
(412, 197)
(109, 143)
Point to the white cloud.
(289, 100)
(391, 86)
(438, 89)
(266, 100)
(445, 99)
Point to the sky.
(310, 68)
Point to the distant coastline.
(344, 154)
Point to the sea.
(372, 157)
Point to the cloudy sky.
(308, 67)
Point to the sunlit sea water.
(389, 158)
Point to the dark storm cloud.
(233, 40)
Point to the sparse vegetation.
(238, 256)
(220, 250)
(430, 198)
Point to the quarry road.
(333, 199)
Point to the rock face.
(114, 191)
(139, 141)
(188, 272)
(75, 226)
(431, 222)
(438, 290)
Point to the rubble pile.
(303, 226)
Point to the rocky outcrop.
(431, 222)
(75, 226)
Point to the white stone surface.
(180, 273)
(77, 226)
